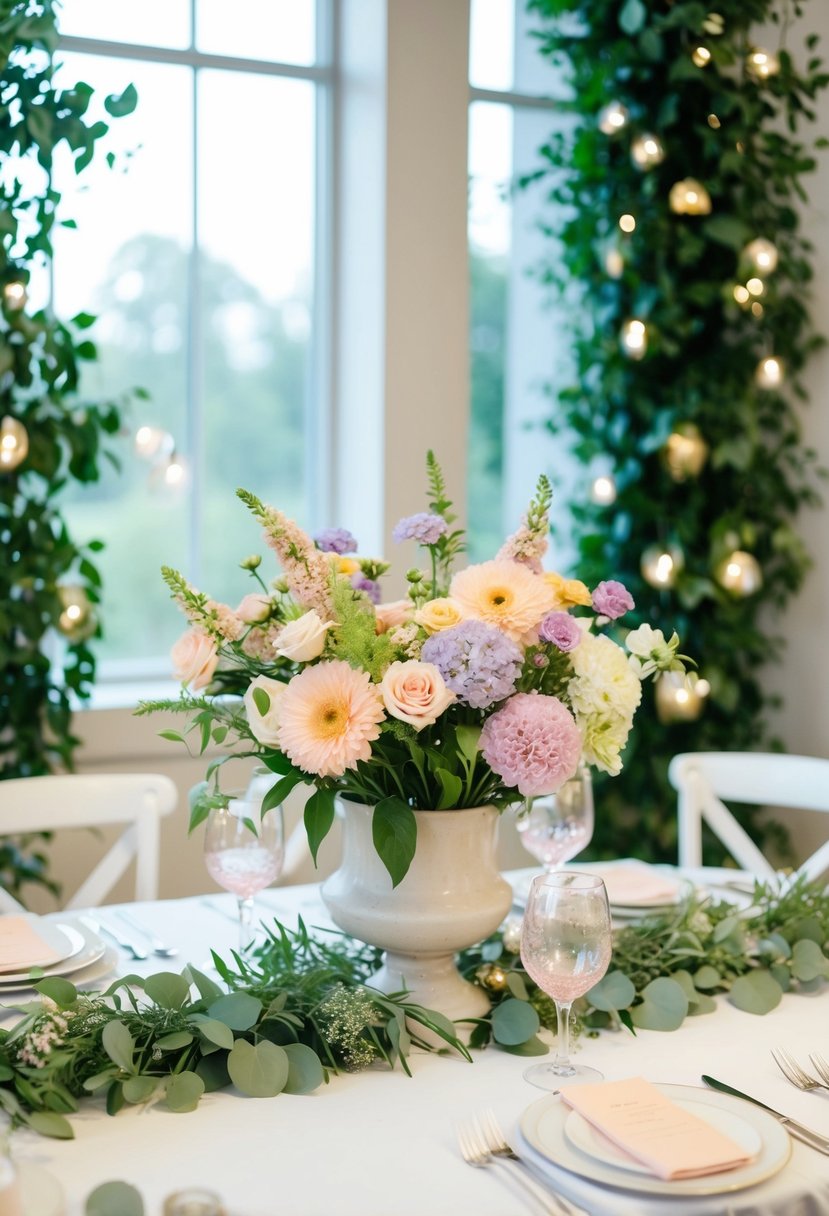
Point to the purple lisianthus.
(561, 629)
(425, 528)
(368, 585)
(478, 663)
(612, 599)
(336, 540)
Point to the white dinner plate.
(679, 888)
(85, 947)
(543, 1127)
(86, 977)
(54, 946)
(40, 1192)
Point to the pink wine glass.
(244, 851)
(555, 828)
(565, 948)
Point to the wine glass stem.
(561, 1063)
(245, 921)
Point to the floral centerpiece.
(486, 684)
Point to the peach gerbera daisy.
(328, 717)
(504, 594)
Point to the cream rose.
(194, 657)
(265, 726)
(303, 639)
(436, 615)
(389, 616)
(415, 693)
(254, 609)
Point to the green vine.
(300, 1007)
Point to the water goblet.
(244, 850)
(565, 949)
(555, 828)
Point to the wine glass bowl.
(244, 850)
(565, 948)
(556, 828)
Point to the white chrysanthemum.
(604, 683)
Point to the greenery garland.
(300, 1007)
(679, 148)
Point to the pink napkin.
(634, 883)
(22, 946)
(647, 1125)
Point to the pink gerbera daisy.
(328, 717)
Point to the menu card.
(636, 884)
(22, 946)
(640, 1119)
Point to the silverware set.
(126, 940)
(798, 1076)
(482, 1143)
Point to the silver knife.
(800, 1132)
(133, 948)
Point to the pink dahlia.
(532, 743)
(328, 717)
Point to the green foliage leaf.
(238, 1010)
(48, 1123)
(114, 1199)
(139, 1089)
(259, 1070)
(514, 1022)
(305, 1071)
(167, 989)
(808, 961)
(613, 991)
(468, 738)
(451, 787)
(394, 832)
(707, 977)
(261, 700)
(664, 1006)
(184, 1090)
(208, 989)
(119, 1045)
(632, 16)
(318, 818)
(176, 1040)
(58, 990)
(121, 104)
(215, 1031)
(758, 992)
(213, 1071)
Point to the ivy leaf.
(114, 1199)
(758, 992)
(514, 1022)
(664, 1006)
(305, 1071)
(183, 1091)
(259, 1070)
(394, 832)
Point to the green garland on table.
(300, 1007)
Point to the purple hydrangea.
(561, 629)
(371, 588)
(612, 599)
(425, 528)
(478, 663)
(336, 540)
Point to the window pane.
(491, 41)
(256, 231)
(127, 263)
(151, 22)
(282, 31)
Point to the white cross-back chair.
(705, 781)
(138, 801)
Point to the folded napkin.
(22, 946)
(638, 1118)
(634, 883)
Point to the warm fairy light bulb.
(756, 286)
(634, 338)
(646, 151)
(741, 294)
(701, 56)
(761, 64)
(689, 197)
(152, 441)
(740, 573)
(757, 309)
(714, 122)
(714, 23)
(612, 118)
(627, 222)
(175, 472)
(603, 490)
(14, 443)
(14, 295)
(770, 372)
(77, 620)
(614, 263)
(685, 451)
(762, 255)
(680, 696)
(660, 567)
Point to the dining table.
(380, 1143)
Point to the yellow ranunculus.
(345, 565)
(436, 615)
(568, 591)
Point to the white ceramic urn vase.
(452, 897)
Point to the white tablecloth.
(379, 1143)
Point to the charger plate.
(84, 947)
(545, 1128)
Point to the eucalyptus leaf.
(48, 1123)
(514, 1022)
(707, 977)
(213, 1071)
(167, 989)
(58, 990)
(529, 1047)
(305, 1071)
(140, 1089)
(114, 1199)
(808, 960)
(238, 1010)
(517, 985)
(758, 992)
(174, 1041)
(259, 1070)
(183, 1091)
(119, 1045)
(613, 991)
(664, 1006)
(207, 988)
(215, 1031)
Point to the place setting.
(57, 944)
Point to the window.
(198, 253)
(513, 353)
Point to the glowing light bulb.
(627, 222)
(77, 620)
(614, 263)
(689, 197)
(756, 309)
(14, 443)
(660, 567)
(680, 697)
(612, 118)
(762, 64)
(756, 286)
(634, 338)
(741, 294)
(646, 151)
(685, 452)
(770, 372)
(714, 122)
(739, 573)
(762, 255)
(14, 295)
(701, 56)
(603, 490)
(152, 441)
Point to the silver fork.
(499, 1146)
(475, 1152)
(821, 1067)
(156, 944)
(792, 1071)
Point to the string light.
(627, 222)
(762, 255)
(701, 56)
(740, 573)
(761, 64)
(151, 442)
(646, 151)
(756, 286)
(680, 696)
(614, 263)
(634, 338)
(660, 567)
(612, 118)
(685, 452)
(15, 295)
(714, 122)
(770, 372)
(14, 443)
(689, 197)
(741, 294)
(77, 621)
(714, 23)
(757, 309)
(603, 490)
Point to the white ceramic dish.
(85, 977)
(54, 946)
(86, 947)
(543, 1128)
